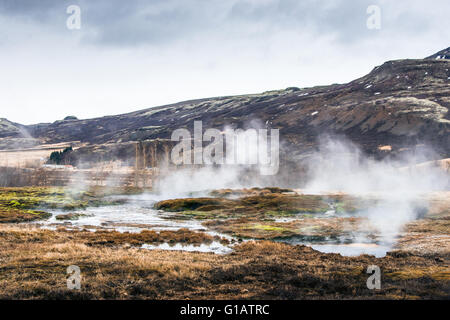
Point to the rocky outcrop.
(443, 54)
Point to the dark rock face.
(400, 103)
(443, 54)
(8, 128)
(70, 118)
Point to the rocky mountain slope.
(399, 104)
(443, 54)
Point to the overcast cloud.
(135, 54)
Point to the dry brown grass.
(26, 158)
(33, 265)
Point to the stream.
(138, 214)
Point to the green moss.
(20, 204)
(343, 207)
(309, 230)
(189, 204)
(198, 214)
(269, 228)
(15, 204)
(70, 216)
(287, 203)
(265, 205)
(281, 213)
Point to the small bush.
(60, 157)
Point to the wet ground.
(144, 246)
(328, 231)
(330, 223)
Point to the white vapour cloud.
(400, 187)
(183, 182)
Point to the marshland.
(178, 233)
(248, 243)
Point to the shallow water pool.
(138, 214)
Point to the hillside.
(443, 54)
(401, 103)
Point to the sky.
(135, 54)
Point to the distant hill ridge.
(400, 103)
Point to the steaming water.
(354, 249)
(138, 214)
(134, 216)
(338, 165)
(130, 217)
(354, 244)
(215, 247)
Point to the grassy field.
(33, 261)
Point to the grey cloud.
(42, 11)
(166, 21)
(143, 22)
(139, 22)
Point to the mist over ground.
(400, 186)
